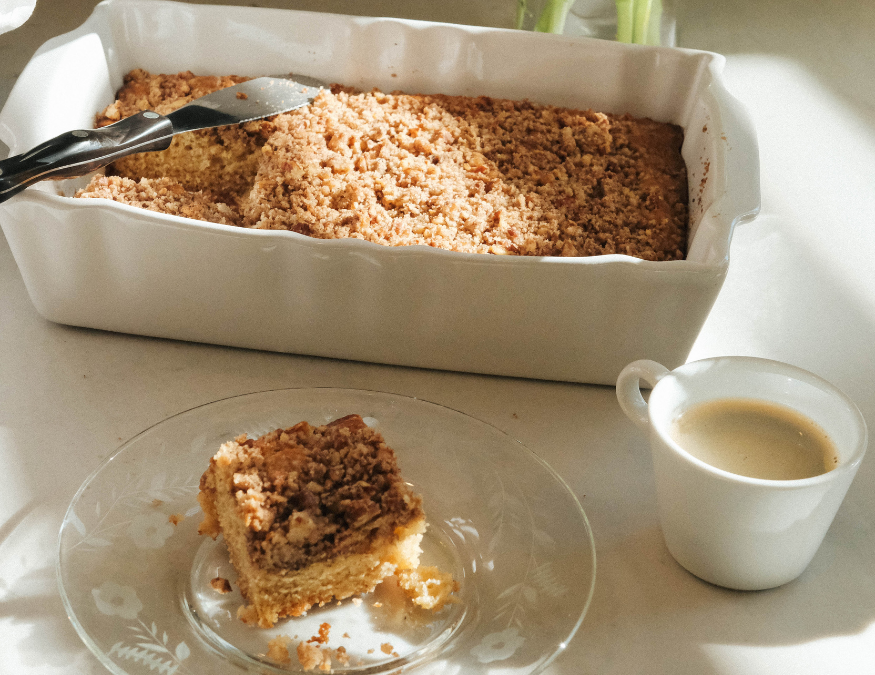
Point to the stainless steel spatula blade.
(244, 102)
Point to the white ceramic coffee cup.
(731, 530)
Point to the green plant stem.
(639, 21)
(652, 36)
(552, 19)
(642, 20)
(625, 20)
(520, 13)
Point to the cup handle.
(629, 389)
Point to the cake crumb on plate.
(311, 657)
(278, 649)
(221, 585)
(428, 587)
(322, 638)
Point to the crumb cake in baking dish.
(471, 174)
(315, 514)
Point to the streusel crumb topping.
(478, 175)
(306, 493)
(469, 174)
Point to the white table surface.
(801, 289)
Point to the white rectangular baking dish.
(104, 265)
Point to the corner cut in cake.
(467, 174)
(310, 515)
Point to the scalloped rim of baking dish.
(724, 190)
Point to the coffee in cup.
(755, 438)
(745, 521)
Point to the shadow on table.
(646, 606)
(29, 597)
(649, 616)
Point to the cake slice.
(310, 515)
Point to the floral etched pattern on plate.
(135, 576)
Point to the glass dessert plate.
(135, 576)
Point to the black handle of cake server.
(76, 153)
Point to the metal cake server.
(76, 153)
